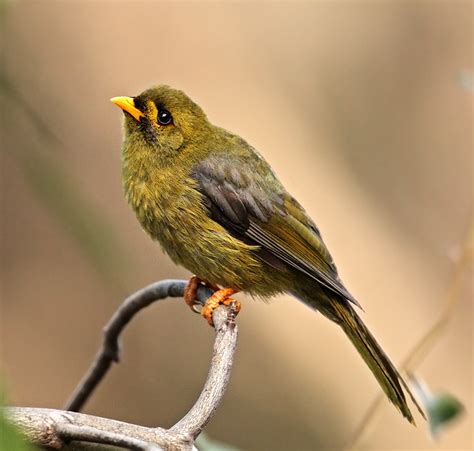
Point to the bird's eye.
(164, 117)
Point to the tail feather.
(384, 371)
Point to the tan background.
(359, 107)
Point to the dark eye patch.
(139, 104)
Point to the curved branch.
(55, 428)
(219, 374)
(110, 350)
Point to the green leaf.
(205, 443)
(11, 438)
(442, 408)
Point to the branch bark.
(110, 351)
(55, 428)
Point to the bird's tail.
(384, 371)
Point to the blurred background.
(364, 110)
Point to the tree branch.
(54, 428)
(218, 377)
(74, 432)
(110, 351)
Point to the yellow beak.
(127, 104)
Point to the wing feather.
(259, 211)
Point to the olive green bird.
(217, 208)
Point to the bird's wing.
(253, 206)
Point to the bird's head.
(162, 119)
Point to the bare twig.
(110, 351)
(54, 428)
(218, 377)
(425, 344)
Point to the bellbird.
(217, 208)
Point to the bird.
(217, 208)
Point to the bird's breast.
(175, 215)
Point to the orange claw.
(190, 292)
(222, 296)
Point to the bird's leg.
(190, 292)
(222, 296)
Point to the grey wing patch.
(236, 196)
(227, 201)
(242, 206)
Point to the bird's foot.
(222, 296)
(190, 293)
